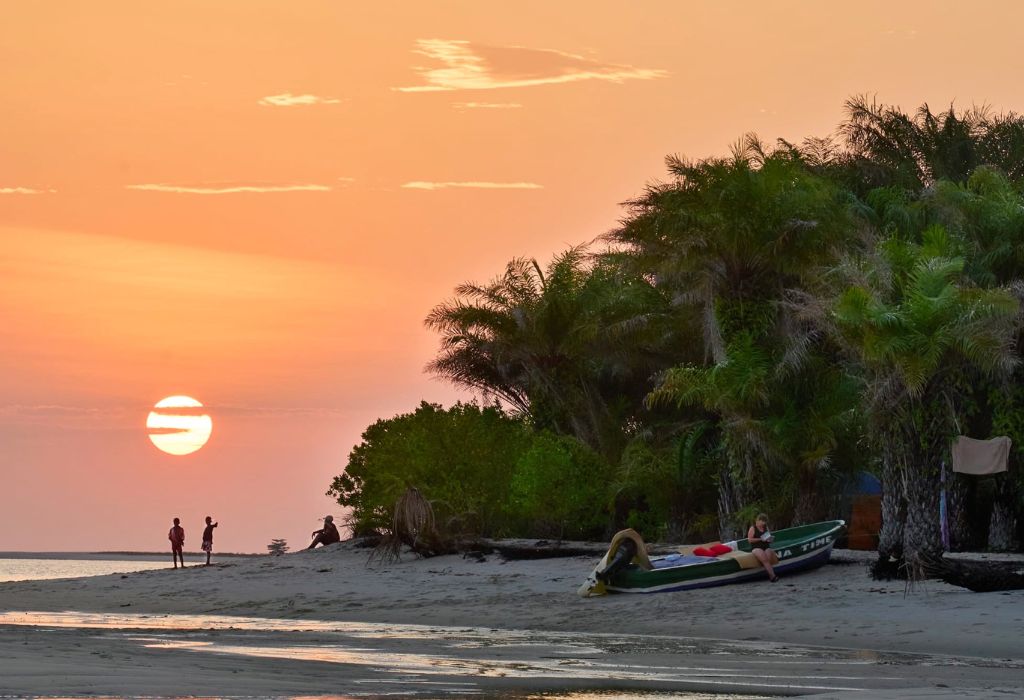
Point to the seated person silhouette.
(327, 535)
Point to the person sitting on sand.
(760, 542)
(208, 538)
(177, 537)
(328, 535)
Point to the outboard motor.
(623, 556)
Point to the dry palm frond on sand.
(412, 524)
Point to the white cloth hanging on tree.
(980, 457)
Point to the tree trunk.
(890, 539)
(958, 492)
(728, 504)
(922, 534)
(808, 507)
(1002, 529)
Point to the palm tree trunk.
(807, 509)
(922, 535)
(810, 503)
(1002, 529)
(957, 497)
(728, 504)
(890, 539)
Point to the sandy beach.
(325, 622)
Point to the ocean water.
(27, 568)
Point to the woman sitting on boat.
(760, 545)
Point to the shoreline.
(91, 556)
(836, 615)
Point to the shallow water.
(588, 695)
(27, 569)
(464, 660)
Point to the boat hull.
(799, 549)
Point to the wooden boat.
(798, 548)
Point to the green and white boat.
(798, 548)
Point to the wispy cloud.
(469, 66)
(420, 185)
(485, 105)
(48, 410)
(168, 431)
(287, 99)
(23, 190)
(229, 189)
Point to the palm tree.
(727, 231)
(885, 146)
(741, 241)
(572, 346)
(987, 213)
(918, 329)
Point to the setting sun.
(179, 431)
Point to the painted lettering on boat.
(814, 544)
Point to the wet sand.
(451, 624)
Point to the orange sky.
(257, 203)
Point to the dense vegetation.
(484, 472)
(757, 331)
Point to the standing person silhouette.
(760, 545)
(177, 537)
(208, 538)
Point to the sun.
(177, 426)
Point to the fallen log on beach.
(980, 576)
(546, 549)
(511, 549)
(507, 549)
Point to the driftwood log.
(507, 549)
(511, 549)
(980, 576)
(546, 549)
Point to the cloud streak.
(486, 105)
(469, 66)
(287, 99)
(169, 431)
(421, 185)
(231, 189)
(23, 190)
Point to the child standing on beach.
(208, 538)
(177, 537)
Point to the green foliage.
(483, 472)
(460, 458)
(886, 146)
(570, 346)
(665, 490)
(560, 488)
(927, 317)
(1007, 405)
